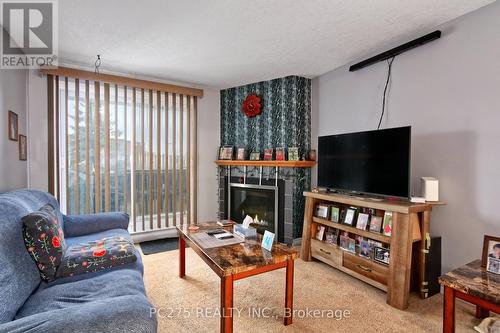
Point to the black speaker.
(432, 268)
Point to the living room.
(268, 166)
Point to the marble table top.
(474, 280)
(238, 258)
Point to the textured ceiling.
(224, 43)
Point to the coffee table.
(238, 261)
(471, 283)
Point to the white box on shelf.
(430, 188)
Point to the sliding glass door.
(120, 148)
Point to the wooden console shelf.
(281, 164)
(410, 223)
(376, 236)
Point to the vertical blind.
(120, 148)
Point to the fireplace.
(261, 199)
(272, 195)
(260, 202)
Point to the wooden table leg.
(424, 250)
(449, 310)
(289, 293)
(226, 304)
(400, 265)
(481, 312)
(182, 257)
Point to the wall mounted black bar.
(397, 50)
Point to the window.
(121, 148)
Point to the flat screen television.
(373, 162)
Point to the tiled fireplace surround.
(291, 228)
(285, 122)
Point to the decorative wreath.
(251, 106)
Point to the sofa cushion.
(44, 240)
(19, 277)
(71, 241)
(80, 225)
(96, 256)
(114, 301)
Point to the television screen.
(373, 162)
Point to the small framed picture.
(491, 254)
(374, 243)
(13, 126)
(23, 148)
(381, 255)
(322, 211)
(362, 221)
(254, 156)
(350, 214)
(375, 223)
(365, 250)
(226, 153)
(320, 232)
(268, 154)
(351, 245)
(493, 265)
(280, 154)
(344, 242)
(335, 214)
(387, 226)
(293, 154)
(241, 154)
(332, 236)
(312, 155)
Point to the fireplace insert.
(258, 201)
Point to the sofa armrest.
(79, 225)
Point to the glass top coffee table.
(238, 261)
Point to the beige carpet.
(188, 305)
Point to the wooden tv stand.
(410, 222)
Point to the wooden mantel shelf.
(281, 164)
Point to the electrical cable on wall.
(389, 70)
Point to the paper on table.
(246, 222)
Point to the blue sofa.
(108, 301)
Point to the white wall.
(208, 142)
(37, 127)
(449, 92)
(12, 97)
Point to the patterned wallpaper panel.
(285, 121)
